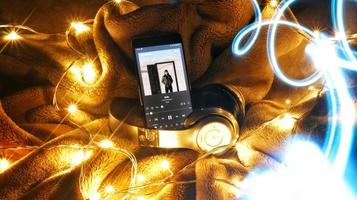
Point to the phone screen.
(164, 85)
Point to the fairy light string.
(87, 75)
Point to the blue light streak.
(248, 45)
(283, 6)
(323, 52)
(337, 10)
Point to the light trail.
(324, 54)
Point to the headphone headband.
(214, 122)
(204, 130)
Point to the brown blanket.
(43, 142)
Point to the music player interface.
(164, 85)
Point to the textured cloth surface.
(35, 134)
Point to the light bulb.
(165, 164)
(12, 36)
(4, 165)
(106, 144)
(288, 101)
(72, 108)
(79, 27)
(88, 73)
(140, 178)
(109, 189)
(94, 196)
(273, 3)
(141, 198)
(79, 157)
(316, 32)
(286, 121)
(311, 88)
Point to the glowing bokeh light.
(72, 108)
(140, 178)
(288, 101)
(79, 27)
(109, 189)
(141, 198)
(274, 3)
(12, 36)
(311, 88)
(88, 73)
(95, 196)
(106, 144)
(80, 156)
(165, 164)
(285, 121)
(304, 175)
(316, 32)
(4, 164)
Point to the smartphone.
(163, 82)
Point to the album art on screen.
(162, 77)
(164, 85)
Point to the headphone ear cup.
(219, 96)
(216, 131)
(214, 127)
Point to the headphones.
(213, 122)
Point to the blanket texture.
(41, 141)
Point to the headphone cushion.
(219, 96)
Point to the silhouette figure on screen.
(167, 81)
